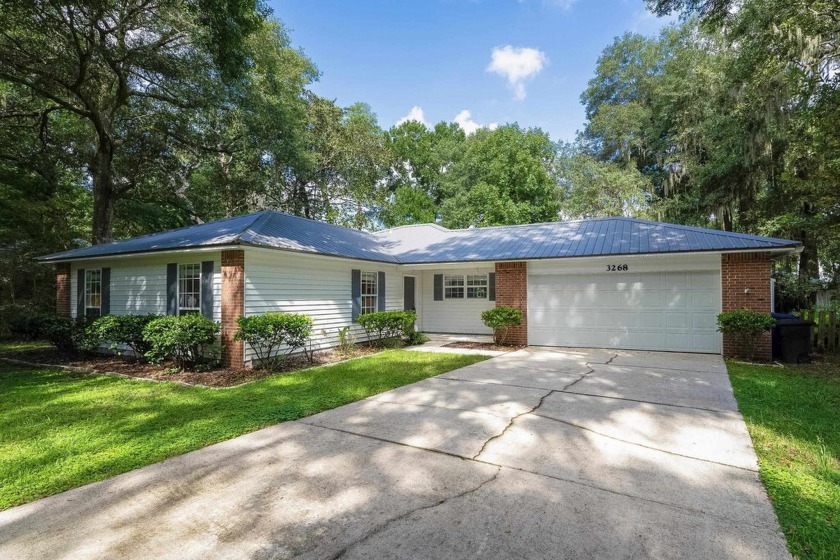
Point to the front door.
(408, 293)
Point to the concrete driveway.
(540, 453)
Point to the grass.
(793, 416)
(60, 430)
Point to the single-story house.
(609, 283)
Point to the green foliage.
(64, 333)
(125, 330)
(591, 188)
(503, 177)
(183, 338)
(127, 424)
(501, 319)
(385, 327)
(793, 292)
(416, 338)
(346, 340)
(270, 332)
(792, 415)
(746, 327)
(26, 322)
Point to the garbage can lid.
(783, 316)
(793, 323)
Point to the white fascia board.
(146, 254)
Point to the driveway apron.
(539, 453)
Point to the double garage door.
(671, 311)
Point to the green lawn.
(793, 415)
(59, 430)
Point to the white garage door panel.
(647, 311)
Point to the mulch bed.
(482, 346)
(220, 377)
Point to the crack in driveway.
(510, 423)
(384, 526)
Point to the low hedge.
(270, 332)
(746, 327)
(125, 330)
(184, 338)
(501, 319)
(382, 327)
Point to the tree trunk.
(104, 195)
(808, 258)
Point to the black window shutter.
(105, 305)
(438, 287)
(356, 293)
(80, 293)
(172, 289)
(207, 289)
(491, 288)
(380, 292)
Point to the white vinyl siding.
(458, 315)
(138, 284)
(319, 287)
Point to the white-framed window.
(470, 286)
(453, 287)
(189, 289)
(93, 292)
(477, 286)
(369, 292)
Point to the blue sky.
(438, 55)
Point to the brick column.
(62, 289)
(512, 291)
(233, 307)
(745, 284)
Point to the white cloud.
(416, 114)
(517, 64)
(465, 121)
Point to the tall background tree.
(124, 117)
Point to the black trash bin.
(791, 339)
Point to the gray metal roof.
(430, 243)
(263, 229)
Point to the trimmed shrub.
(270, 332)
(184, 338)
(501, 319)
(123, 329)
(746, 327)
(66, 334)
(416, 338)
(384, 327)
(27, 323)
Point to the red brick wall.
(233, 306)
(62, 289)
(745, 283)
(512, 291)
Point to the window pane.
(93, 289)
(189, 288)
(453, 287)
(369, 292)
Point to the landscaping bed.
(482, 346)
(216, 377)
(793, 415)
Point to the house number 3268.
(617, 267)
